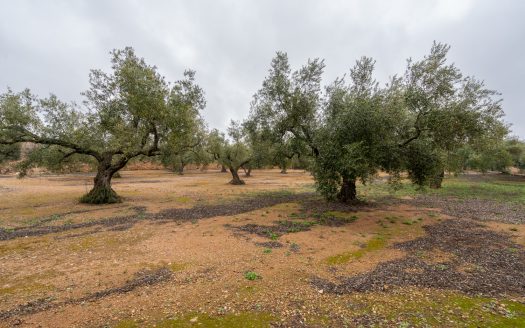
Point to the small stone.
(194, 319)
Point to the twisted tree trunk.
(348, 191)
(102, 193)
(236, 180)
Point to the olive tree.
(186, 146)
(356, 128)
(129, 112)
(358, 133)
(232, 154)
(516, 148)
(9, 153)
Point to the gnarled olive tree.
(127, 113)
(355, 129)
(232, 154)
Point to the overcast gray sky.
(49, 46)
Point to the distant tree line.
(428, 120)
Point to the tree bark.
(236, 180)
(102, 193)
(283, 168)
(181, 168)
(348, 191)
(223, 169)
(437, 181)
(247, 171)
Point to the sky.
(50, 46)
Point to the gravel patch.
(477, 209)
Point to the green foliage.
(185, 146)
(127, 113)
(233, 153)
(516, 150)
(355, 129)
(423, 162)
(251, 275)
(9, 153)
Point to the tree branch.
(32, 138)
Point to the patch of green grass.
(272, 235)
(341, 215)
(175, 267)
(485, 187)
(379, 189)
(14, 285)
(183, 199)
(267, 250)
(432, 308)
(251, 275)
(109, 242)
(377, 243)
(127, 323)
(334, 217)
(296, 226)
(502, 188)
(22, 245)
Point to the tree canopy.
(429, 119)
(129, 112)
(356, 127)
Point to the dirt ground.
(193, 250)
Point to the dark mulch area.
(484, 262)
(477, 209)
(273, 231)
(170, 215)
(143, 278)
(270, 244)
(313, 212)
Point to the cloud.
(50, 46)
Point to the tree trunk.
(102, 193)
(283, 168)
(247, 171)
(436, 181)
(348, 191)
(181, 168)
(236, 180)
(223, 169)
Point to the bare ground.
(176, 251)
